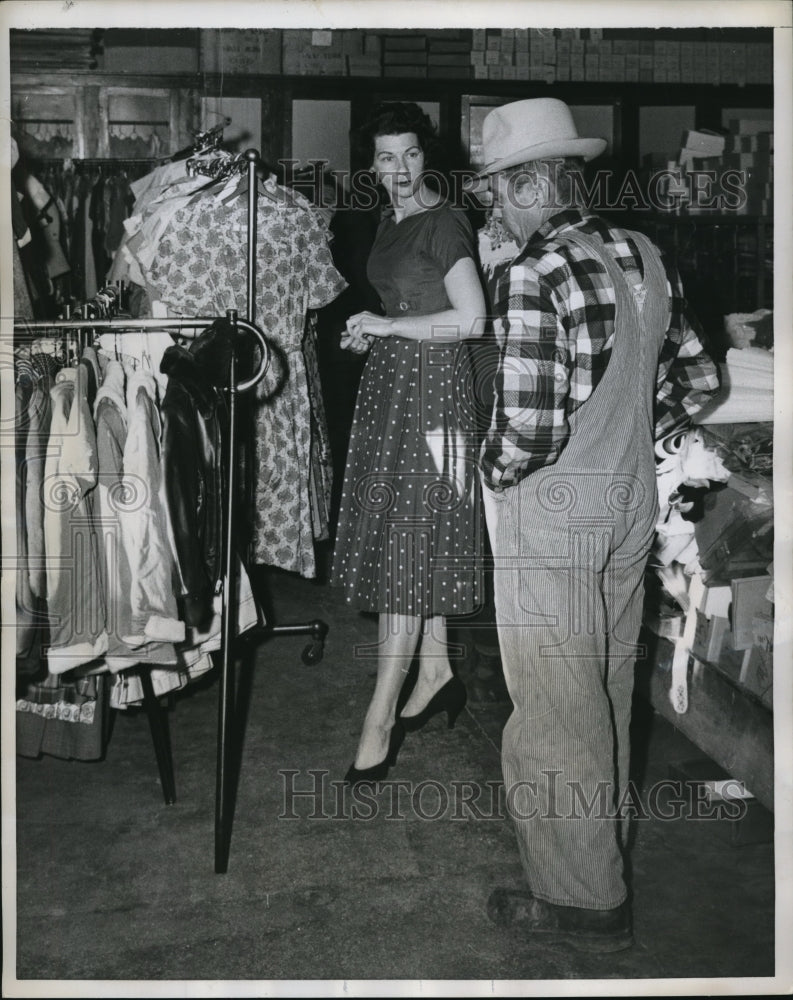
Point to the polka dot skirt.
(409, 539)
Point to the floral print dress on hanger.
(200, 269)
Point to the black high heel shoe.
(378, 772)
(451, 698)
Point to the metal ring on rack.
(265, 362)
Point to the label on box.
(241, 51)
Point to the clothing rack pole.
(224, 805)
(224, 788)
(180, 324)
(252, 156)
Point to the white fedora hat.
(535, 129)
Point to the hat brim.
(588, 149)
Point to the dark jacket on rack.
(194, 416)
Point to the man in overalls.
(598, 357)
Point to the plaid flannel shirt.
(554, 323)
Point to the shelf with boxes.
(544, 55)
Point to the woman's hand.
(369, 324)
(355, 343)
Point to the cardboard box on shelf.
(352, 43)
(750, 126)
(404, 57)
(749, 601)
(763, 627)
(703, 142)
(758, 142)
(709, 637)
(757, 674)
(448, 45)
(759, 161)
(726, 63)
(364, 65)
(238, 51)
(401, 43)
(327, 39)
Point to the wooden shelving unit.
(723, 720)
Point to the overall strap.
(650, 302)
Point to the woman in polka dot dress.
(408, 544)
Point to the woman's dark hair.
(396, 118)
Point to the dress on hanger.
(198, 268)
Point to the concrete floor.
(112, 884)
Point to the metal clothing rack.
(224, 804)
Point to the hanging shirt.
(74, 592)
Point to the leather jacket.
(195, 420)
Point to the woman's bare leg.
(434, 667)
(398, 637)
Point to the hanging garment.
(23, 305)
(142, 522)
(46, 226)
(74, 593)
(98, 219)
(36, 449)
(199, 268)
(117, 209)
(158, 197)
(110, 412)
(64, 718)
(194, 424)
(127, 686)
(25, 601)
(321, 460)
(91, 286)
